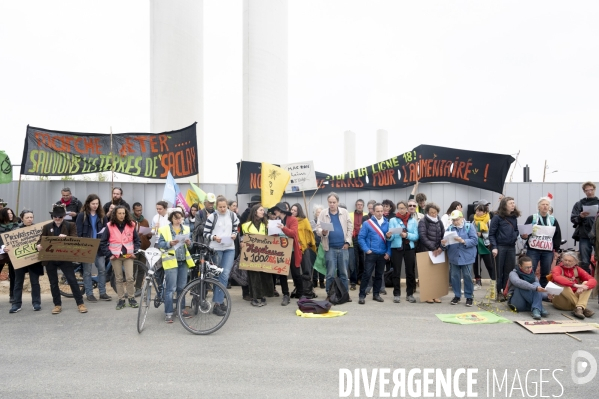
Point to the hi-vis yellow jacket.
(169, 260)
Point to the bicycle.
(152, 256)
(199, 317)
(65, 288)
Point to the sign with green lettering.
(56, 153)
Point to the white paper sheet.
(273, 228)
(101, 231)
(591, 209)
(144, 230)
(437, 259)
(227, 240)
(181, 238)
(2, 249)
(450, 237)
(396, 230)
(327, 226)
(553, 289)
(525, 229)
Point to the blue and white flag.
(170, 190)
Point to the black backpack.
(311, 306)
(338, 294)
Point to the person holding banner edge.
(35, 271)
(540, 246)
(7, 225)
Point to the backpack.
(338, 294)
(311, 306)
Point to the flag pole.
(112, 169)
(18, 191)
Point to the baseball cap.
(456, 215)
(210, 197)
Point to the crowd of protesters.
(365, 247)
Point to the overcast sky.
(488, 76)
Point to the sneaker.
(477, 287)
(536, 314)
(501, 297)
(186, 315)
(256, 303)
(352, 287)
(545, 313)
(276, 293)
(469, 302)
(383, 291)
(361, 301)
(378, 298)
(120, 304)
(105, 297)
(167, 318)
(37, 307)
(82, 308)
(57, 309)
(14, 309)
(138, 292)
(92, 298)
(455, 301)
(263, 301)
(396, 299)
(588, 313)
(133, 303)
(285, 300)
(218, 311)
(247, 298)
(411, 299)
(322, 284)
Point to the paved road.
(268, 352)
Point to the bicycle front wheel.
(196, 309)
(64, 286)
(144, 305)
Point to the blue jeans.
(337, 260)
(525, 300)
(377, 263)
(87, 276)
(545, 257)
(225, 260)
(586, 249)
(457, 273)
(175, 280)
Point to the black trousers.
(296, 276)
(11, 276)
(488, 259)
(407, 256)
(359, 256)
(34, 279)
(68, 270)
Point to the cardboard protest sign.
(555, 327)
(22, 244)
(303, 177)
(542, 238)
(425, 163)
(266, 254)
(433, 278)
(69, 249)
(55, 153)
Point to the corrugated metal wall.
(39, 196)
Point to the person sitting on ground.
(524, 291)
(461, 256)
(577, 284)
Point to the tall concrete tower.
(265, 81)
(176, 68)
(382, 145)
(349, 159)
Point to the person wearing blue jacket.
(377, 251)
(461, 251)
(403, 249)
(503, 234)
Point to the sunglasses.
(58, 217)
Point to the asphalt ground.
(269, 352)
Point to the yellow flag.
(274, 181)
(191, 197)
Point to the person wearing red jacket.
(577, 284)
(289, 226)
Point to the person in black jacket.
(90, 224)
(503, 234)
(430, 234)
(117, 199)
(7, 225)
(72, 204)
(583, 223)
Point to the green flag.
(201, 194)
(5, 168)
(472, 318)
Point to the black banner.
(425, 163)
(55, 153)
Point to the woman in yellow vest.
(260, 283)
(175, 261)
